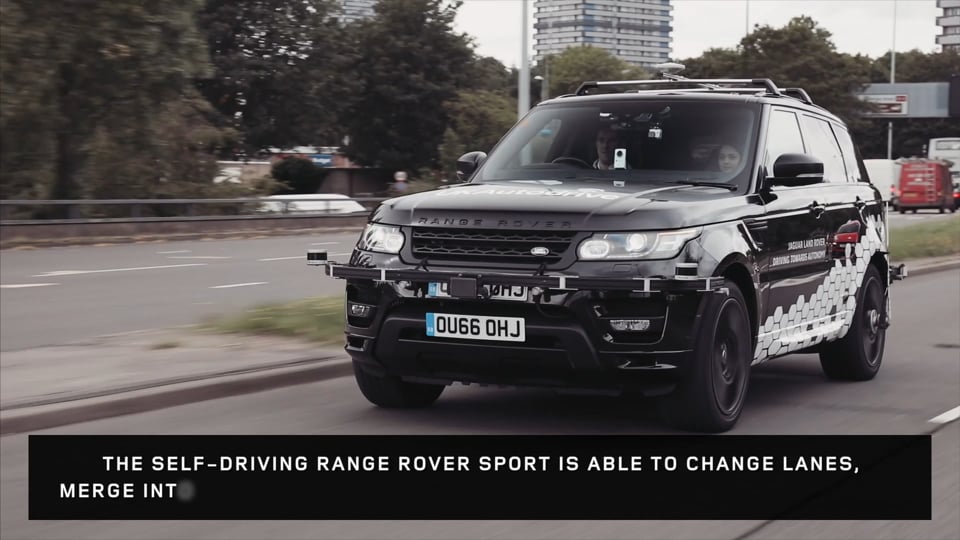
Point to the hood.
(544, 205)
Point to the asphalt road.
(57, 295)
(919, 381)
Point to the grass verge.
(939, 238)
(319, 320)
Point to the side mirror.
(795, 170)
(468, 163)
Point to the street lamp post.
(523, 88)
(893, 70)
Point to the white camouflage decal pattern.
(827, 314)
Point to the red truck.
(926, 183)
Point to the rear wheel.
(858, 355)
(711, 396)
(393, 393)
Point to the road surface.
(57, 295)
(918, 383)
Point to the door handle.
(817, 209)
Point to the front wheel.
(393, 393)
(711, 397)
(858, 355)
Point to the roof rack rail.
(666, 77)
(798, 93)
(715, 83)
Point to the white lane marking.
(198, 257)
(324, 243)
(25, 285)
(74, 272)
(948, 416)
(239, 285)
(176, 251)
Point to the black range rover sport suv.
(657, 237)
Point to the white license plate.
(450, 325)
(497, 292)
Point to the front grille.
(478, 245)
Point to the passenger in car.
(728, 158)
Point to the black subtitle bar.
(479, 477)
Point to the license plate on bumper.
(449, 325)
(497, 292)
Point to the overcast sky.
(858, 26)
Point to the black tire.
(857, 357)
(391, 392)
(711, 396)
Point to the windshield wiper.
(730, 187)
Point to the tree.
(279, 70)
(409, 64)
(578, 64)
(799, 54)
(477, 121)
(75, 69)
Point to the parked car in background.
(315, 203)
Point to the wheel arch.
(735, 267)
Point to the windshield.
(629, 143)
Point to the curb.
(929, 268)
(151, 399)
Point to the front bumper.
(569, 342)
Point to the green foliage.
(933, 239)
(578, 64)
(799, 54)
(280, 70)
(410, 62)
(319, 320)
(84, 80)
(298, 175)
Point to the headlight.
(635, 245)
(381, 238)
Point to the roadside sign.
(887, 104)
(323, 160)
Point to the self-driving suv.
(657, 237)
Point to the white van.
(885, 174)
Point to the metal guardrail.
(237, 208)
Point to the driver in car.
(607, 142)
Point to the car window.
(824, 146)
(850, 157)
(627, 142)
(783, 137)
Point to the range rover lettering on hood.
(586, 193)
(516, 223)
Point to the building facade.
(949, 20)
(352, 10)
(636, 31)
